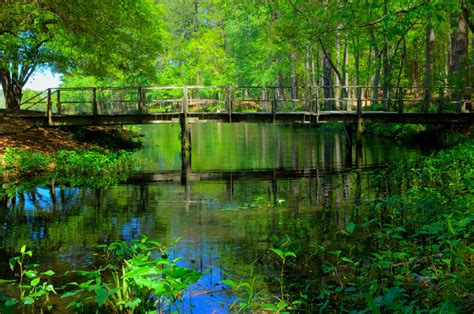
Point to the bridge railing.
(175, 99)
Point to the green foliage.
(411, 252)
(23, 169)
(397, 130)
(419, 243)
(22, 163)
(32, 287)
(133, 281)
(250, 298)
(89, 164)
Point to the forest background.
(283, 43)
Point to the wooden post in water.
(185, 141)
(49, 108)
(360, 125)
(95, 109)
(185, 129)
(58, 102)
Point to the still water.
(248, 184)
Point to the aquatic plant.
(137, 276)
(32, 287)
(133, 280)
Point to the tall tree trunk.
(294, 77)
(328, 83)
(378, 66)
(281, 86)
(12, 89)
(345, 73)
(386, 65)
(338, 81)
(196, 15)
(429, 41)
(416, 78)
(448, 65)
(308, 80)
(314, 67)
(460, 53)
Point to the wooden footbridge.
(170, 104)
(351, 105)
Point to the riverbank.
(21, 134)
(95, 156)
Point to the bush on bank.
(82, 167)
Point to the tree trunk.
(328, 84)
(375, 82)
(430, 37)
(12, 90)
(345, 73)
(416, 77)
(460, 54)
(294, 77)
(386, 65)
(338, 81)
(313, 68)
(308, 80)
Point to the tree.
(103, 38)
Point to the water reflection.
(246, 184)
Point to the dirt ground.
(23, 134)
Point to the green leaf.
(11, 302)
(229, 282)
(281, 305)
(28, 301)
(2, 281)
(278, 252)
(101, 296)
(48, 273)
(70, 294)
(348, 260)
(35, 282)
(350, 227)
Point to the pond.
(248, 185)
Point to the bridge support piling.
(185, 149)
(185, 139)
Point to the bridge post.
(58, 102)
(359, 100)
(141, 98)
(274, 104)
(317, 102)
(185, 129)
(49, 108)
(95, 109)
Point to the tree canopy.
(298, 43)
(100, 38)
